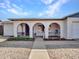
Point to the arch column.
(61, 31)
(46, 31)
(15, 29)
(31, 31)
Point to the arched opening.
(1, 29)
(54, 31)
(23, 29)
(38, 30)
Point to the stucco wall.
(8, 29)
(45, 23)
(71, 30)
(68, 28)
(65, 29)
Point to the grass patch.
(23, 38)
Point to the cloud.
(5, 4)
(2, 5)
(46, 2)
(13, 8)
(17, 7)
(16, 12)
(53, 8)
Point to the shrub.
(23, 38)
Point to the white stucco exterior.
(72, 28)
(8, 29)
(69, 27)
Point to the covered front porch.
(39, 30)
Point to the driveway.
(62, 44)
(17, 44)
(48, 44)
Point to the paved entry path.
(2, 39)
(39, 50)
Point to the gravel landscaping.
(62, 53)
(14, 53)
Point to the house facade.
(67, 27)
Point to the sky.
(37, 8)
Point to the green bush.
(23, 38)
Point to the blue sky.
(37, 8)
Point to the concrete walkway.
(2, 39)
(38, 50)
